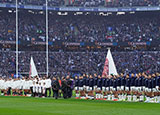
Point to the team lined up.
(37, 87)
(133, 87)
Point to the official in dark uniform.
(55, 87)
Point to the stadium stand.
(62, 63)
(81, 28)
(88, 3)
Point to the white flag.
(33, 71)
(112, 67)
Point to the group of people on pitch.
(132, 87)
(36, 87)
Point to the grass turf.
(49, 106)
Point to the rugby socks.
(134, 97)
(112, 97)
(141, 98)
(120, 97)
(124, 97)
(155, 99)
(77, 95)
(109, 97)
(158, 99)
(129, 97)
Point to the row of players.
(36, 86)
(134, 87)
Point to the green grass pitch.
(49, 106)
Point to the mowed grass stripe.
(50, 106)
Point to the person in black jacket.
(64, 87)
(55, 87)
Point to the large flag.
(33, 71)
(109, 66)
(109, 0)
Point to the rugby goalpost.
(17, 42)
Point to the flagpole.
(16, 38)
(47, 37)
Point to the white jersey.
(48, 83)
(22, 83)
(36, 87)
(26, 85)
(2, 84)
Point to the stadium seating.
(88, 3)
(81, 28)
(60, 63)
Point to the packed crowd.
(88, 3)
(82, 28)
(63, 63)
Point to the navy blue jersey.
(143, 81)
(107, 82)
(149, 83)
(84, 81)
(140, 82)
(118, 81)
(111, 83)
(87, 81)
(146, 82)
(133, 81)
(95, 81)
(80, 83)
(158, 81)
(136, 82)
(103, 82)
(91, 82)
(128, 82)
(99, 82)
(123, 81)
(154, 82)
(76, 82)
(115, 83)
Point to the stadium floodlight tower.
(47, 38)
(16, 38)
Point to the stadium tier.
(63, 63)
(88, 3)
(138, 27)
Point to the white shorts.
(118, 88)
(103, 89)
(111, 88)
(84, 86)
(90, 88)
(146, 89)
(126, 88)
(107, 88)
(114, 89)
(87, 88)
(143, 88)
(122, 88)
(98, 88)
(95, 87)
(133, 88)
(76, 88)
(34, 89)
(154, 90)
(149, 90)
(44, 90)
(81, 88)
(40, 91)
